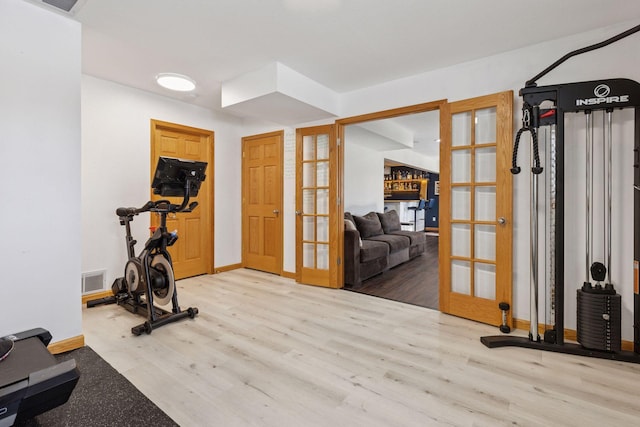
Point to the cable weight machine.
(598, 318)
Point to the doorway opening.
(391, 163)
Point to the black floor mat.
(102, 397)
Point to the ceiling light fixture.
(176, 82)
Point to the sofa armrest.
(351, 257)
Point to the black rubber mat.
(102, 397)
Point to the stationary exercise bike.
(148, 278)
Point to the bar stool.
(421, 205)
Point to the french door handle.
(502, 220)
(298, 213)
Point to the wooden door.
(192, 254)
(317, 204)
(262, 202)
(476, 207)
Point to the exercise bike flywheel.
(162, 280)
(134, 276)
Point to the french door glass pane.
(322, 179)
(484, 280)
(486, 164)
(461, 203)
(323, 202)
(485, 242)
(308, 201)
(486, 125)
(308, 228)
(461, 277)
(460, 166)
(323, 147)
(323, 256)
(322, 231)
(460, 240)
(308, 174)
(308, 148)
(308, 255)
(485, 203)
(461, 129)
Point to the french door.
(476, 234)
(317, 207)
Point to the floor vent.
(93, 281)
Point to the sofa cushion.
(368, 225)
(395, 242)
(417, 237)
(390, 221)
(371, 250)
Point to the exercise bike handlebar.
(157, 206)
(135, 211)
(162, 205)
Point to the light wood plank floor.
(267, 352)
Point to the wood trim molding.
(228, 267)
(66, 345)
(96, 295)
(289, 274)
(394, 112)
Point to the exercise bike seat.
(31, 380)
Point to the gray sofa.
(375, 242)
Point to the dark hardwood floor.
(414, 282)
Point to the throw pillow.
(368, 225)
(390, 221)
(347, 215)
(349, 225)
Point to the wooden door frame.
(209, 135)
(337, 230)
(279, 133)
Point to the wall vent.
(65, 5)
(93, 281)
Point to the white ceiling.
(342, 44)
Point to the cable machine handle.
(536, 169)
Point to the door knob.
(276, 211)
(298, 213)
(502, 220)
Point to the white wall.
(363, 185)
(411, 158)
(115, 170)
(40, 173)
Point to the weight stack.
(599, 320)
